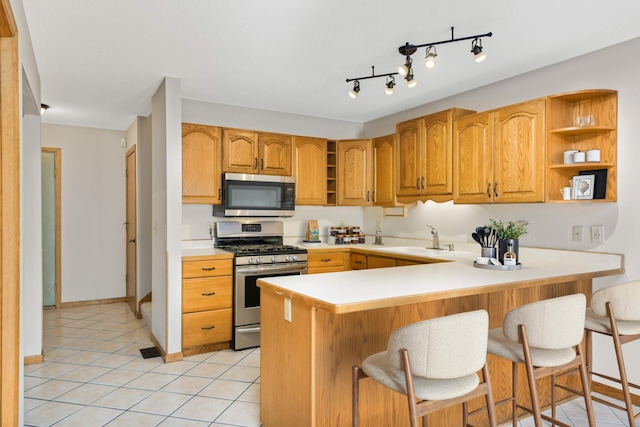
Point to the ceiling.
(100, 62)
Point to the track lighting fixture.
(430, 58)
(406, 69)
(43, 108)
(353, 93)
(476, 49)
(391, 82)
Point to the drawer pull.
(208, 268)
(325, 260)
(208, 328)
(210, 294)
(358, 262)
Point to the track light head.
(430, 58)
(43, 108)
(476, 49)
(391, 82)
(353, 93)
(411, 81)
(405, 69)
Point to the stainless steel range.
(259, 252)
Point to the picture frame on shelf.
(583, 187)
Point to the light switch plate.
(577, 235)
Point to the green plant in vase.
(508, 234)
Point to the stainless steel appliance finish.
(259, 253)
(257, 196)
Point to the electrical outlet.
(287, 309)
(577, 235)
(597, 234)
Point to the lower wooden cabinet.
(326, 261)
(380, 262)
(207, 286)
(206, 327)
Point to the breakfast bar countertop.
(358, 290)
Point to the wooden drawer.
(209, 293)
(358, 262)
(335, 259)
(206, 327)
(207, 268)
(380, 262)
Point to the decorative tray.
(518, 266)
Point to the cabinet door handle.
(261, 164)
(325, 260)
(209, 294)
(219, 193)
(373, 196)
(495, 189)
(368, 196)
(208, 328)
(255, 166)
(489, 190)
(208, 268)
(423, 182)
(132, 241)
(418, 183)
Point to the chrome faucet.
(436, 239)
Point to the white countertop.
(205, 252)
(346, 291)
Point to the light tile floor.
(94, 375)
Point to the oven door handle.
(271, 268)
(247, 330)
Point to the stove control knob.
(258, 260)
(294, 257)
(252, 261)
(274, 258)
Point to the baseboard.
(168, 358)
(33, 360)
(92, 302)
(146, 298)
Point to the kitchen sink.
(420, 251)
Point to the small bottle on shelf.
(509, 257)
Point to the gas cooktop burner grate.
(261, 249)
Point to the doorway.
(131, 227)
(51, 245)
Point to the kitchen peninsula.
(316, 327)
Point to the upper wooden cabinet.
(201, 164)
(355, 172)
(256, 152)
(310, 170)
(424, 151)
(499, 155)
(564, 115)
(384, 183)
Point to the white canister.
(568, 156)
(566, 193)
(593, 155)
(578, 157)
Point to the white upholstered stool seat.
(434, 363)
(546, 337)
(615, 312)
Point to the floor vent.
(150, 352)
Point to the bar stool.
(545, 336)
(434, 363)
(615, 311)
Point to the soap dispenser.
(378, 238)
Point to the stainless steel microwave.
(257, 195)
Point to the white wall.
(166, 152)
(93, 211)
